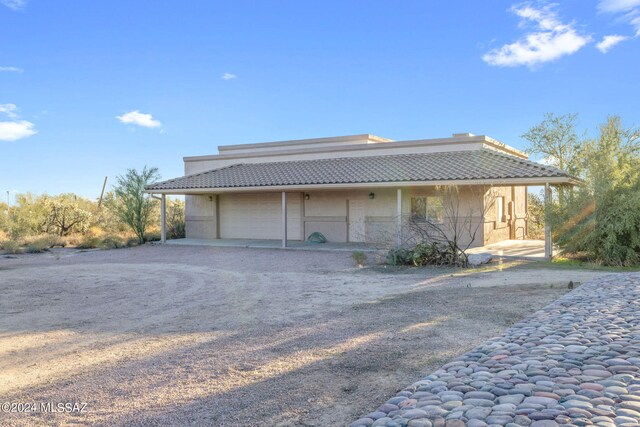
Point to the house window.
(427, 208)
(500, 209)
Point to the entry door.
(356, 220)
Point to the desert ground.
(180, 335)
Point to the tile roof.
(483, 164)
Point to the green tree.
(556, 140)
(65, 215)
(134, 207)
(602, 219)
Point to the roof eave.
(558, 180)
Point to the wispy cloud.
(14, 4)
(228, 76)
(548, 39)
(609, 42)
(141, 119)
(14, 128)
(628, 10)
(11, 70)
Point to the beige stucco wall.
(514, 222)
(258, 215)
(200, 220)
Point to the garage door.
(257, 216)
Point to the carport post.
(548, 244)
(284, 219)
(163, 218)
(399, 217)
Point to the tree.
(602, 219)
(134, 207)
(452, 226)
(64, 215)
(556, 140)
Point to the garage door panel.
(257, 216)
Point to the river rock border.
(575, 362)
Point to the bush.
(425, 254)
(113, 242)
(11, 247)
(132, 241)
(152, 237)
(359, 257)
(89, 242)
(38, 246)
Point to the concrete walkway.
(275, 244)
(575, 362)
(515, 249)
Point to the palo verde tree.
(556, 140)
(133, 206)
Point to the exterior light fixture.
(372, 196)
(307, 196)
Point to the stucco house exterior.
(356, 188)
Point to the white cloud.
(617, 6)
(14, 129)
(629, 10)
(228, 76)
(9, 110)
(609, 42)
(141, 119)
(14, 4)
(549, 40)
(11, 70)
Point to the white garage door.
(258, 216)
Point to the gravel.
(575, 362)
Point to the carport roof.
(438, 168)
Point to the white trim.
(163, 218)
(361, 147)
(309, 187)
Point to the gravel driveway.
(159, 335)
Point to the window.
(500, 209)
(427, 208)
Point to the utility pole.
(104, 185)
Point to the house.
(357, 188)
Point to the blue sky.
(89, 89)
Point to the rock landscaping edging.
(575, 362)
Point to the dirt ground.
(170, 335)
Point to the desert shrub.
(175, 219)
(37, 246)
(11, 247)
(152, 237)
(359, 257)
(425, 254)
(113, 242)
(132, 241)
(89, 242)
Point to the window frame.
(424, 216)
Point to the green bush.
(112, 242)
(11, 247)
(424, 254)
(359, 257)
(152, 237)
(89, 242)
(38, 246)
